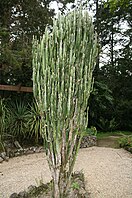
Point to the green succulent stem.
(63, 63)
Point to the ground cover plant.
(63, 63)
(126, 142)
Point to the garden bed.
(77, 189)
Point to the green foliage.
(124, 114)
(2, 116)
(2, 123)
(34, 122)
(91, 131)
(107, 125)
(116, 4)
(101, 102)
(126, 141)
(114, 70)
(19, 21)
(18, 120)
(75, 186)
(110, 103)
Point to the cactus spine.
(63, 63)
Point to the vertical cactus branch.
(63, 63)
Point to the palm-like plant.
(34, 122)
(18, 122)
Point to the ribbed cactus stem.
(63, 63)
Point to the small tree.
(63, 63)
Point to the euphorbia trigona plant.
(63, 63)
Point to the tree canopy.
(19, 21)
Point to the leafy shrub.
(101, 107)
(91, 131)
(107, 125)
(124, 112)
(126, 141)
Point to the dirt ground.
(108, 172)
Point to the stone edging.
(4, 156)
(87, 141)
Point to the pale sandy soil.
(108, 172)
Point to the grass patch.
(101, 134)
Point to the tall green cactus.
(63, 63)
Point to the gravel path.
(108, 172)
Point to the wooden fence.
(17, 88)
